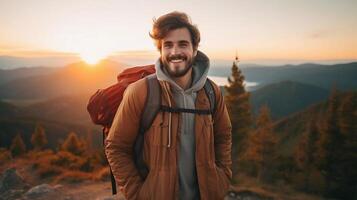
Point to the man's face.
(177, 52)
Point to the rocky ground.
(14, 186)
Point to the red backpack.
(103, 105)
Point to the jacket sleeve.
(121, 138)
(222, 134)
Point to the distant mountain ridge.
(286, 97)
(58, 120)
(73, 79)
(343, 76)
(66, 109)
(283, 96)
(13, 62)
(12, 74)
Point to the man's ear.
(195, 53)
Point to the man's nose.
(175, 50)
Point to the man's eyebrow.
(183, 41)
(180, 42)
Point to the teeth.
(177, 60)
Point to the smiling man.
(187, 149)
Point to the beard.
(177, 71)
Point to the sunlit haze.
(258, 30)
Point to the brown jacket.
(213, 147)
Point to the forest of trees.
(71, 144)
(73, 160)
(324, 161)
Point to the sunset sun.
(92, 57)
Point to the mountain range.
(286, 97)
(15, 120)
(55, 60)
(57, 97)
(72, 79)
(81, 78)
(342, 76)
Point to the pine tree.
(330, 138)
(73, 144)
(262, 142)
(347, 123)
(338, 146)
(38, 138)
(237, 102)
(306, 152)
(347, 118)
(18, 146)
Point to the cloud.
(318, 34)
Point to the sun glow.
(92, 57)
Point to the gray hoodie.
(188, 184)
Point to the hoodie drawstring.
(170, 115)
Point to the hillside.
(67, 109)
(56, 120)
(290, 129)
(56, 132)
(7, 110)
(12, 74)
(286, 97)
(76, 78)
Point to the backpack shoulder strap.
(152, 103)
(208, 87)
(151, 108)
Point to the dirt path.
(82, 191)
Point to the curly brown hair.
(171, 21)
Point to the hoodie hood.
(200, 69)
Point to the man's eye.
(183, 45)
(167, 45)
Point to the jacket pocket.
(217, 183)
(158, 185)
(222, 182)
(158, 135)
(145, 190)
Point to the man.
(188, 155)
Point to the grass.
(55, 167)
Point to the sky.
(286, 30)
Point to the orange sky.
(259, 30)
